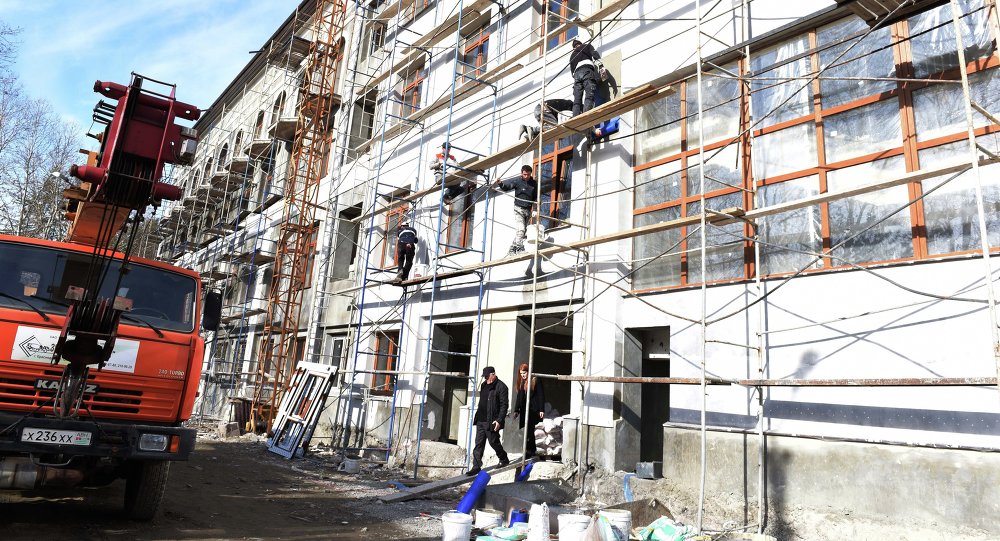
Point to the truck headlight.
(153, 442)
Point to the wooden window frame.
(907, 147)
(468, 219)
(381, 384)
(563, 14)
(390, 258)
(561, 157)
(411, 91)
(477, 42)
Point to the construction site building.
(789, 234)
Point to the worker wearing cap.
(585, 65)
(406, 248)
(489, 419)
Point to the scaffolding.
(390, 126)
(315, 109)
(709, 223)
(705, 224)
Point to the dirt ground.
(235, 489)
(230, 490)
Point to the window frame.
(561, 158)
(392, 218)
(907, 147)
(476, 42)
(557, 17)
(387, 361)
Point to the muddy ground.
(230, 490)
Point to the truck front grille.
(116, 396)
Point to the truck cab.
(129, 424)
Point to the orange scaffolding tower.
(278, 351)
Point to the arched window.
(258, 128)
(224, 154)
(279, 104)
(238, 143)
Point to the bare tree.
(8, 47)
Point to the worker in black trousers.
(585, 65)
(490, 415)
(406, 248)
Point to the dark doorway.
(555, 334)
(452, 349)
(655, 405)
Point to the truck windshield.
(40, 277)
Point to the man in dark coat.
(489, 419)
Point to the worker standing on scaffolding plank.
(438, 166)
(586, 67)
(547, 119)
(489, 419)
(406, 248)
(525, 191)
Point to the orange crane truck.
(100, 351)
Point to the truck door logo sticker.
(34, 348)
(37, 345)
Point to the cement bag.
(548, 424)
(538, 522)
(558, 421)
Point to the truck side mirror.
(213, 311)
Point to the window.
(411, 9)
(258, 126)
(392, 221)
(277, 108)
(409, 91)
(362, 123)
(854, 126)
(460, 214)
(553, 176)
(224, 155)
(561, 11)
(386, 357)
(475, 51)
(373, 39)
(346, 248)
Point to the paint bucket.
(457, 526)
(572, 526)
(518, 516)
(349, 465)
(621, 522)
(488, 518)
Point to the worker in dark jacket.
(585, 65)
(525, 192)
(489, 419)
(547, 118)
(406, 248)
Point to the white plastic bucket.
(350, 465)
(457, 526)
(621, 522)
(572, 526)
(487, 518)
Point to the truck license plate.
(55, 437)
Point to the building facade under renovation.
(770, 269)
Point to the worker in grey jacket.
(525, 192)
(585, 65)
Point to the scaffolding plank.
(451, 482)
(711, 217)
(634, 98)
(467, 89)
(431, 38)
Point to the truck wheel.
(144, 488)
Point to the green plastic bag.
(664, 529)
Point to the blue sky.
(199, 45)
